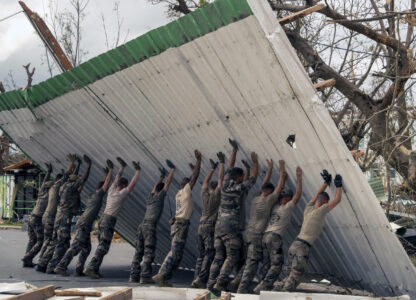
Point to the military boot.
(146, 280)
(92, 274)
(160, 280)
(198, 284)
(61, 272)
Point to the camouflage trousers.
(144, 256)
(48, 224)
(81, 244)
(48, 247)
(227, 251)
(178, 233)
(63, 240)
(206, 251)
(295, 266)
(35, 233)
(272, 259)
(254, 256)
(105, 236)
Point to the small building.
(18, 189)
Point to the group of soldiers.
(226, 245)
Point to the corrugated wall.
(244, 81)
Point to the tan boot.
(160, 280)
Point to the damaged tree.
(379, 100)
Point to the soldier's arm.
(197, 168)
(221, 158)
(170, 177)
(268, 173)
(282, 177)
(233, 157)
(247, 172)
(327, 180)
(207, 179)
(107, 179)
(70, 167)
(79, 162)
(86, 174)
(298, 192)
(337, 199)
(48, 173)
(161, 177)
(254, 158)
(135, 177)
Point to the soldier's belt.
(303, 241)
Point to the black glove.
(87, 159)
(78, 159)
(136, 165)
(221, 157)
(234, 144)
(49, 167)
(327, 177)
(213, 164)
(170, 164)
(106, 170)
(110, 164)
(121, 161)
(163, 172)
(338, 181)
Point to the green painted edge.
(174, 34)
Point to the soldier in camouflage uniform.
(272, 238)
(179, 225)
(313, 223)
(35, 228)
(228, 239)
(82, 241)
(117, 194)
(141, 266)
(210, 200)
(68, 206)
(48, 220)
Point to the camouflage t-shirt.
(154, 207)
(94, 202)
(53, 198)
(69, 196)
(210, 203)
(229, 213)
(42, 200)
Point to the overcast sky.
(19, 43)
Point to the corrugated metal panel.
(242, 81)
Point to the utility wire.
(12, 15)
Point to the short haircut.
(185, 181)
(213, 184)
(267, 187)
(323, 196)
(59, 176)
(286, 194)
(160, 186)
(100, 185)
(122, 182)
(236, 172)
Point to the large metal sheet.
(242, 81)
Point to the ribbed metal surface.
(242, 81)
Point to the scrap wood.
(204, 296)
(124, 294)
(73, 292)
(37, 294)
(320, 86)
(300, 14)
(226, 296)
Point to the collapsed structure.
(225, 70)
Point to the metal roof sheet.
(240, 79)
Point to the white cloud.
(20, 44)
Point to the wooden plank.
(77, 293)
(204, 296)
(124, 294)
(320, 86)
(38, 294)
(300, 14)
(226, 296)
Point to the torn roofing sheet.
(226, 70)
